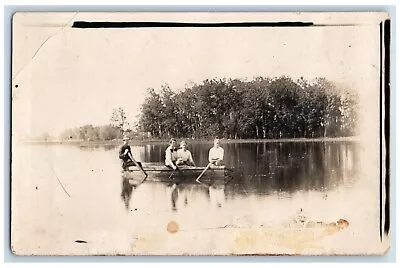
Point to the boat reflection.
(180, 196)
(128, 186)
(126, 192)
(172, 195)
(217, 194)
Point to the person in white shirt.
(216, 154)
(184, 155)
(171, 154)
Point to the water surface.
(271, 183)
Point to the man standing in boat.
(216, 154)
(184, 155)
(125, 155)
(171, 155)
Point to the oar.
(171, 174)
(137, 164)
(201, 174)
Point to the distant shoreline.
(190, 141)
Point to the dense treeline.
(118, 127)
(115, 130)
(97, 133)
(91, 133)
(261, 108)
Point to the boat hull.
(157, 172)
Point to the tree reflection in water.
(262, 168)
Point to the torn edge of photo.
(195, 133)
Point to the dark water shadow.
(270, 168)
(126, 192)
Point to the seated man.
(171, 155)
(216, 154)
(125, 155)
(184, 155)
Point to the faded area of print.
(197, 140)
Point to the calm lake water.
(271, 181)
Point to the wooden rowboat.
(160, 172)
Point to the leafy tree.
(109, 132)
(152, 114)
(262, 108)
(119, 120)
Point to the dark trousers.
(185, 163)
(129, 163)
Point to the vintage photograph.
(199, 133)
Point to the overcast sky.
(69, 77)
